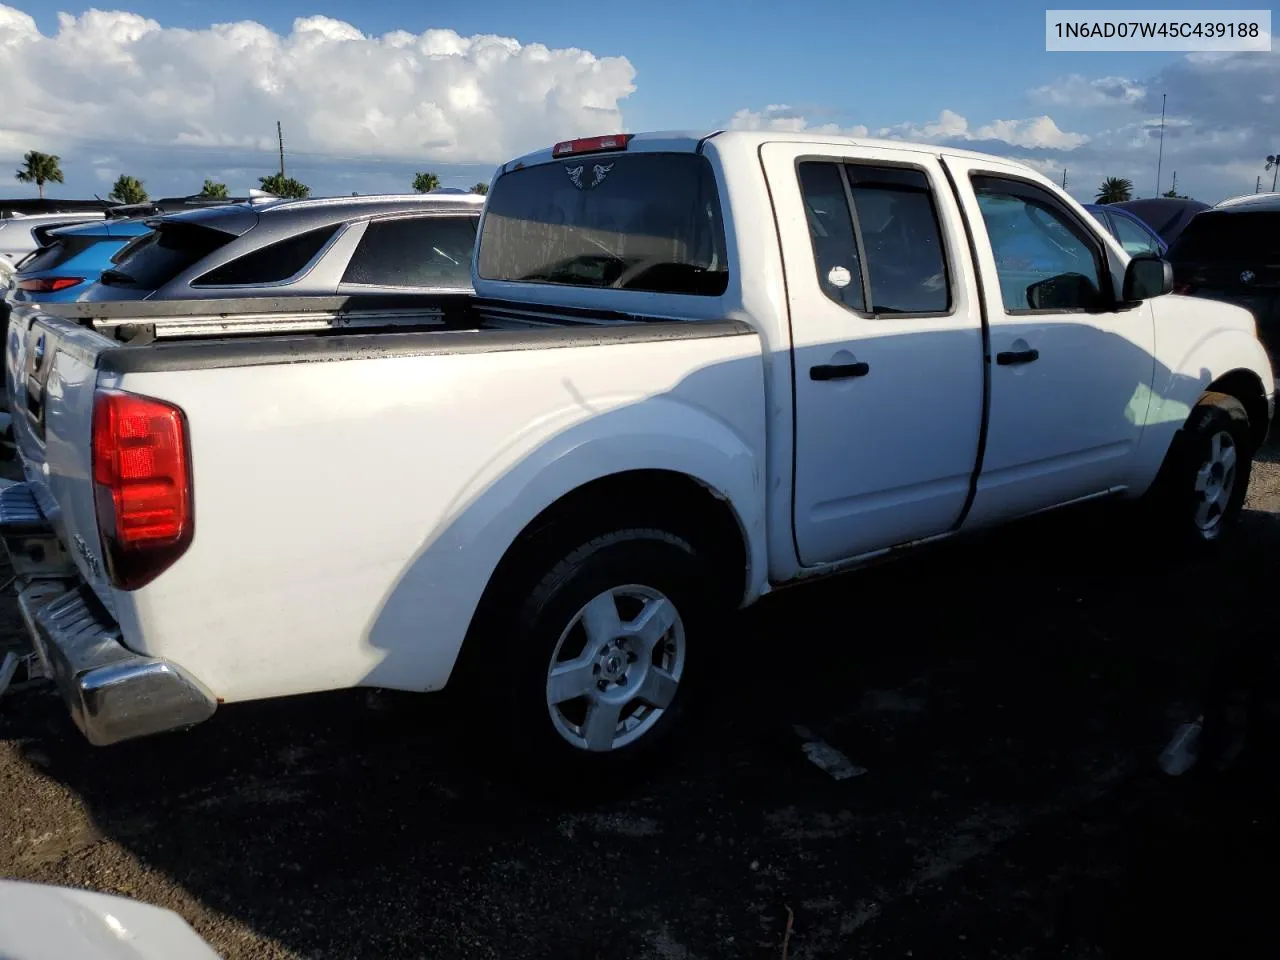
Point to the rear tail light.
(141, 485)
(616, 141)
(49, 284)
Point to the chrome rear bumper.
(113, 693)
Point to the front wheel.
(602, 652)
(1201, 490)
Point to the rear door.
(887, 345)
(1071, 371)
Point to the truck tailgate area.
(351, 495)
(51, 365)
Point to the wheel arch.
(1246, 386)
(668, 499)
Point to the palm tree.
(282, 186)
(212, 190)
(40, 168)
(480, 188)
(426, 182)
(1273, 163)
(128, 190)
(1114, 190)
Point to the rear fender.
(661, 433)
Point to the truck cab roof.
(689, 141)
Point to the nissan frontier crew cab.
(697, 369)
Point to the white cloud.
(952, 128)
(784, 119)
(109, 76)
(1078, 92)
(1219, 127)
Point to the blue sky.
(884, 67)
(698, 61)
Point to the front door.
(886, 343)
(1071, 369)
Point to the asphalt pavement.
(994, 708)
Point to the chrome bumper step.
(112, 692)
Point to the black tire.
(1175, 499)
(555, 590)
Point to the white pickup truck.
(698, 369)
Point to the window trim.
(948, 257)
(337, 230)
(1107, 295)
(369, 222)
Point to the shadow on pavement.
(1007, 696)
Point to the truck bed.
(346, 478)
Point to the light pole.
(1273, 163)
(1160, 159)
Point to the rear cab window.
(644, 221)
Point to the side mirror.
(1147, 276)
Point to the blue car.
(1134, 235)
(72, 260)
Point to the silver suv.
(322, 247)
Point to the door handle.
(1011, 357)
(839, 371)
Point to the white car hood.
(41, 922)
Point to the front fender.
(1197, 343)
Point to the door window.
(273, 263)
(835, 247)
(1045, 260)
(1133, 238)
(887, 257)
(415, 252)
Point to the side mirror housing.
(1147, 276)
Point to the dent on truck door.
(887, 346)
(1071, 370)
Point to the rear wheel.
(1202, 487)
(602, 651)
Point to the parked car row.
(283, 247)
(1229, 251)
(1232, 253)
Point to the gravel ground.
(1006, 696)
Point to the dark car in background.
(318, 247)
(1232, 253)
(1167, 216)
